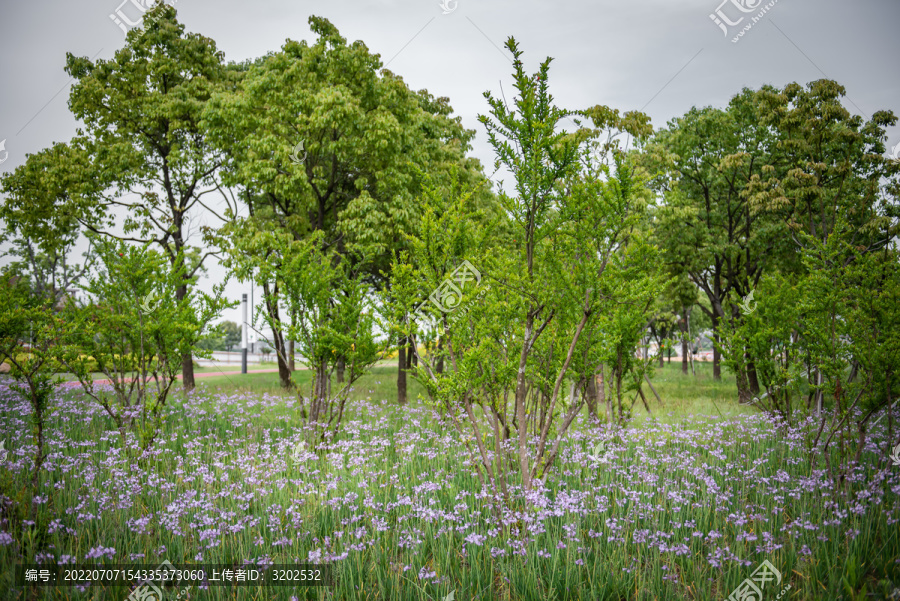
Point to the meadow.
(684, 505)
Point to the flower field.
(685, 510)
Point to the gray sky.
(662, 56)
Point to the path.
(208, 374)
(212, 374)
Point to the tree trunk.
(687, 319)
(187, 372)
(339, 368)
(319, 403)
(521, 391)
(187, 360)
(284, 372)
(819, 394)
(401, 372)
(39, 451)
(653, 390)
(744, 394)
(411, 360)
(604, 398)
(684, 342)
(659, 352)
(544, 406)
(752, 379)
(618, 375)
(591, 396)
(643, 398)
(717, 357)
(292, 365)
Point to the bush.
(56, 366)
(89, 362)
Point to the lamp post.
(244, 338)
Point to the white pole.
(244, 337)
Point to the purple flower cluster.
(220, 481)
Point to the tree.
(362, 140)
(212, 340)
(825, 285)
(706, 228)
(231, 334)
(136, 329)
(48, 273)
(26, 316)
(673, 309)
(142, 150)
(661, 327)
(222, 337)
(537, 322)
(325, 325)
(840, 324)
(739, 184)
(826, 166)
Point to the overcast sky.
(660, 56)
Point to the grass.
(682, 395)
(222, 369)
(692, 393)
(396, 492)
(380, 383)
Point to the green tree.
(222, 337)
(826, 166)
(142, 149)
(704, 162)
(535, 324)
(326, 325)
(48, 273)
(740, 183)
(213, 340)
(829, 309)
(25, 316)
(136, 329)
(366, 138)
(231, 334)
(837, 328)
